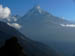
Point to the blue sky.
(60, 8)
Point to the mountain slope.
(39, 23)
(30, 46)
(37, 13)
(42, 26)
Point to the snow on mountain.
(67, 25)
(44, 25)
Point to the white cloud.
(4, 12)
(68, 25)
(15, 25)
(5, 17)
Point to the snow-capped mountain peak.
(36, 9)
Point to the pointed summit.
(36, 10)
(37, 7)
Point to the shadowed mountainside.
(12, 48)
(28, 46)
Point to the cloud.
(68, 25)
(15, 25)
(4, 12)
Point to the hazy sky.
(61, 8)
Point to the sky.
(60, 8)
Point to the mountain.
(37, 13)
(32, 48)
(39, 23)
(42, 26)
